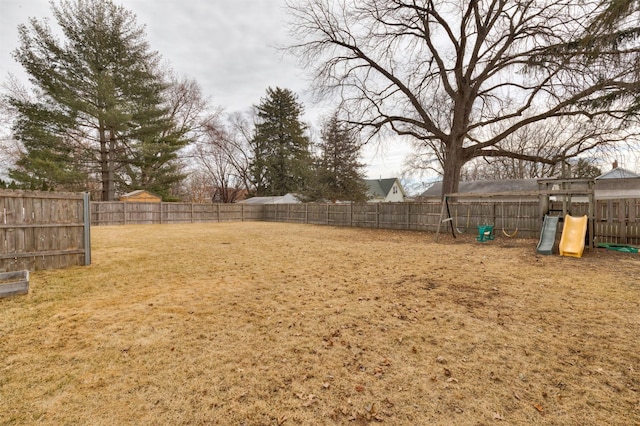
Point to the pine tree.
(99, 113)
(339, 175)
(281, 157)
(583, 169)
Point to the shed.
(140, 196)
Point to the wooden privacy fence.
(413, 216)
(129, 213)
(43, 230)
(616, 221)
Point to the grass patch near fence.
(281, 324)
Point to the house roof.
(381, 187)
(618, 173)
(139, 192)
(485, 187)
(282, 199)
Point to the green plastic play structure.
(485, 233)
(618, 247)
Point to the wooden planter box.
(12, 283)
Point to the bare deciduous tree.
(221, 157)
(461, 76)
(549, 139)
(10, 148)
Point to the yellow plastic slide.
(573, 233)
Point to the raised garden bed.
(13, 283)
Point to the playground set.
(577, 231)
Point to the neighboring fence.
(128, 213)
(43, 230)
(616, 221)
(509, 216)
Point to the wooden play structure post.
(566, 189)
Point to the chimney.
(615, 164)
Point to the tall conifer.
(99, 112)
(282, 160)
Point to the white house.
(385, 190)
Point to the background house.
(282, 199)
(140, 196)
(617, 183)
(385, 190)
(614, 184)
(434, 193)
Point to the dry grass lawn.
(280, 324)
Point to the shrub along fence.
(43, 230)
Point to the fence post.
(622, 218)
(495, 216)
(124, 212)
(87, 228)
(408, 207)
(377, 215)
(351, 214)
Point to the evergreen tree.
(152, 163)
(99, 112)
(50, 162)
(339, 173)
(583, 169)
(281, 157)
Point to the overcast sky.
(229, 46)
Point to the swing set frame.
(559, 189)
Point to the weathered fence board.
(42, 230)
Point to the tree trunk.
(111, 186)
(453, 163)
(104, 163)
